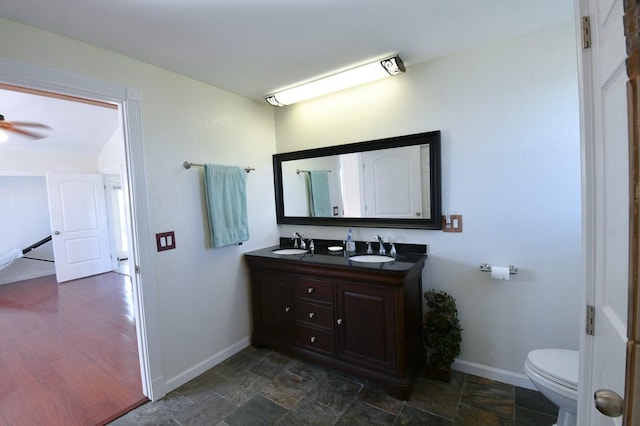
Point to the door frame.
(129, 106)
(632, 385)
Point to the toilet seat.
(559, 366)
(554, 372)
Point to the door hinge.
(137, 269)
(586, 32)
(591, 317)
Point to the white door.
(78, 224)
(606, 206)
(391, 183)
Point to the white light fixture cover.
(340, 81)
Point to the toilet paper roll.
(500, 273)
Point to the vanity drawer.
(313, 289)
(318, 340)
(318, 315)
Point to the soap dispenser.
(351, 245)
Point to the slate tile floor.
(263, 387)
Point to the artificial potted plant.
(441, 334)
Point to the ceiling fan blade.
(24, 132)
(28, 124)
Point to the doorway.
(94, 348)
(143, 284)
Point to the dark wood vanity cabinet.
(363, 321)
(315, 315)
(274, 314)
(366, 325)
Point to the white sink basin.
(290, 251)
(371, 258)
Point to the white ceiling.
(254, 47)
(75, 126)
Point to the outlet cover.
(453, 225)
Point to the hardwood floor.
(68, 352)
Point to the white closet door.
(78, 224)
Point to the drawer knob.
(313, 339)
(339, 321)
(311, 290)
(287, 309)
(311, 315)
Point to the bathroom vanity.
(362, 318)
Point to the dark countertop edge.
(404, 261)
(321, 246)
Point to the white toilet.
(554, 372)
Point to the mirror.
(392, 182)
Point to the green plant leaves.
(442, 334)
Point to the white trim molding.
(509, 377)
(193, 372)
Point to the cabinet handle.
(311, 290)
(287, 309)
(339, 321)
(313, 339)
(311, 315)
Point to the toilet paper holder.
(485, 267)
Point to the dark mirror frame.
(430, 138)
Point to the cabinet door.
(365, 325)
(273, 304)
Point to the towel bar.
(298, 171)
(188, 164)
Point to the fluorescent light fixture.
(353, 77)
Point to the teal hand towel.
(319, 200)
(225, 190)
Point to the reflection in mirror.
(385, 183)
(392, 182)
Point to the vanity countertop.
(403, 262)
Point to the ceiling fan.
(16, 127)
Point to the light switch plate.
(454, 225)
(165, 241)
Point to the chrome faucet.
(303, 243)
(382, 250)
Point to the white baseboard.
(157, 390)
(193, 372)
(26, 276)
(481, 370)
(497, 374)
